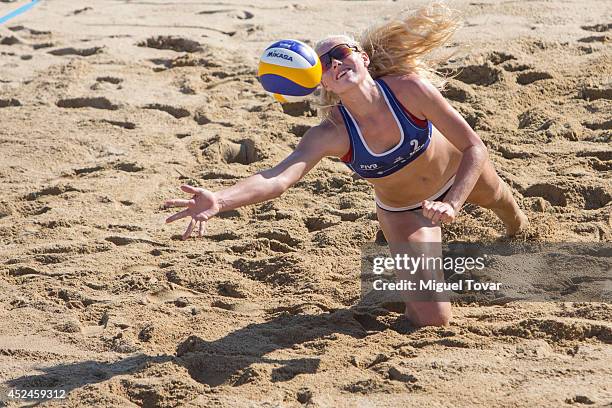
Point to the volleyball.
(289, 70)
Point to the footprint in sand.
(42, 45)
(52, 191)
(87, 102)
(596, 38)
(128, 167)
(598, 28)
(526, 78)
(5, 103)
(83, 52)
(110, 79)
(171, 110)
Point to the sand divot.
(603, 125)
(171, 294)
(82, 52)
(551, 193)
(174, 111)
(498, 57)
(304, 108)
(242, 152)
(599, 28)
(51, 191)
(239, 14)
(596, 38)
(30, 31)
(121, 124)
(42, 45)
(516, 67)
(485, 74)
(10, 40)
(87, 102)
(5, 103)
(526, 78)
(79, 11)
(591, 93)
(110, 79)
(595, 197)
(458, 91)
(178, 44)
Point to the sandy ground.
(100, 120)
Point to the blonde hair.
(398, 47)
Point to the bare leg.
(491, 192)
(412, 227)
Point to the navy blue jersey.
(415, 135)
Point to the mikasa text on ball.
(289, 70)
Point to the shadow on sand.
(229, 360)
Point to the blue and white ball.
(289, 70)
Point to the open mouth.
(341, 74)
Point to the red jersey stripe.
(417, 121)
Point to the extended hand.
(201, 207)
(438, 211)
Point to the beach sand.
(101, 119)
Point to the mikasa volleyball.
(289, 70)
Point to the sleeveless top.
(415, 135)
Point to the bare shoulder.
(330, 135)
(412, 90)
(410, 85)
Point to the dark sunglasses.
(339, 52)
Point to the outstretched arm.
(263, 186)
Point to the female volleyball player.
(385, 118)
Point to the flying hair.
(399, 46)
